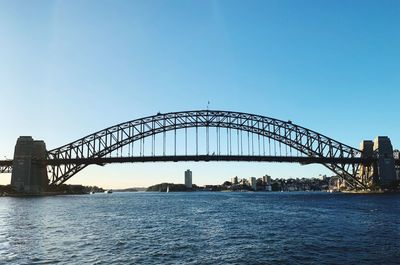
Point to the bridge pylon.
(366, 172)
(384, 169)
(29, 174)
(382, 172)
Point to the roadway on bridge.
(195, 158)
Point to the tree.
(227, 184)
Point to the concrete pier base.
(29, 175)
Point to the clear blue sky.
(70, 68)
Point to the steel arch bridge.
(108, 145)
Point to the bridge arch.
(105, 142)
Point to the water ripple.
(201, 228)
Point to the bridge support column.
(384, 169)
(29, 175)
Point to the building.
(188, 179)
(234, 180)
(253, 183)
(396, 154)
(244, 182)
(266, 180)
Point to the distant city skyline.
(68, 69)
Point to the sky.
(71, 68)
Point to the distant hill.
(162, 187)
(130, 189)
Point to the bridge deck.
(6, 163)
(206, 158)
(196, 158)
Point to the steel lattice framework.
(103, 143)
(5, 169)
(6, 166)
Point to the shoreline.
(57, 193)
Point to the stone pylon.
(29, 174)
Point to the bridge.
(200, 135)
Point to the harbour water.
(201, 228)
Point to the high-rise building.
(253, 183)
(266, 180)
(188, 179)
(234, 180)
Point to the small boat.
(92, 192)
(108, 191)
(167, 188)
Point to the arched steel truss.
(102, 143)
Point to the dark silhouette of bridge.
(202, 135)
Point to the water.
(201, 228)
